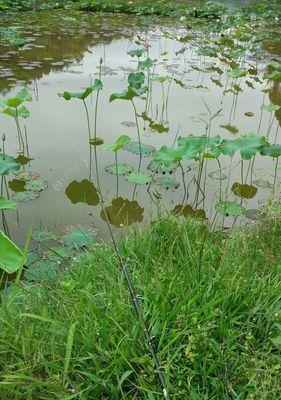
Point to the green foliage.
(139, 178)
(119, 144)
(11, 257)
(230, 208)
(199, 292)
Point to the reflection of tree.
(51, 39)
(123, 212)
(275, 98)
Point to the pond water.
(64, 53)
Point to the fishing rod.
(135, 301)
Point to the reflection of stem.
(275, 175)
(89, 133)
(184, 184)
(21, 142)
(138, 131)
(116, 167)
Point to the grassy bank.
(213, 307)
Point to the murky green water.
(64, 54)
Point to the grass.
(213, 306)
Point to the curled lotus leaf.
(128, 94)
(7, 164)
(11, 257)
(120, 142)
(136, 79)
(168, 156)
(273, 150)
(243, 190)
(136, 52)
(120, 169)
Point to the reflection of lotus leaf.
(16, 185)
(217, 175)
(82, 192)
(96, 141)
(245, 191)
(123, 212)
(188, 212)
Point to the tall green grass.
(212, 304)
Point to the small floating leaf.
(157, 167)
(25, 196)
(167, 183)
(43, 235)
(143, 149)
(230, 208)
(122, 169)
(243, 190)
(139, 178)
(80, 236)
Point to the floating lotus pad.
(139, 178)
(157, 167)
(230, 208)
(79, 236)
(167, 183)
(120, 169)
(136, 148)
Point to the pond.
(199, 83)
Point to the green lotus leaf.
(143, 149)
(8, 164)
(17, 112)
(168, 156)
(230, 208)
(167, 183)
(80, 237)
(236, 73)
(17, 42)
(157, 167)
(6, 204)
(181, 51)
(98, 85)
(36, 185)
(273, 150)
(25, 196)
(136, 79)
(270, 107)
(193, 147)
(250, 145)
(128, 94)
(120, 169)
(148, 63)
(120, 142)
(42, 271)
(136, 53)
(161, 79)
(139, 178)
(243, 190)
(81, 95)
(11, 257)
